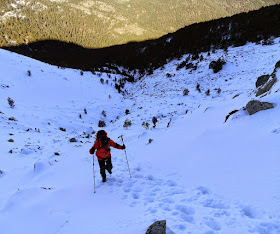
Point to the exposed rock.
(254, 106)
(11, 140)
(262, 80)
(277, 65)
(73, 140)
(267, 86)
(158, 227)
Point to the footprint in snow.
(212, 223)
(214, 203)
(135, 195)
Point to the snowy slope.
(200, 174)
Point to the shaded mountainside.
(254, 26)
(103, 23)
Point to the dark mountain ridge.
(144, 57)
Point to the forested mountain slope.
(96, 24)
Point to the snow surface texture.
(201, 174)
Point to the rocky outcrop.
(264, 83)
(262, 80)
(158, 227)
(277, 65)
(255, 106)
(266, 86)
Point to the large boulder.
(266, 86)
(265, 82)
(262, 80)
(254, 106)
(158, 227)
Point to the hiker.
(154, 120)
(102, 145)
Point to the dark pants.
(105, 164)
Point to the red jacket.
(103, 151)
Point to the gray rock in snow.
(158, 227)
(254, 106)
(265, 83)
(262, 80)
(266, 86)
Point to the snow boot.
(109, 170)
(104, 179)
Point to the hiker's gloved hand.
(123, 147)
(91, 151)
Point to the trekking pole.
(93, 175)
(121, 136)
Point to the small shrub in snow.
(82, 73)
(127, 112)
(80, 116)
(62, 129)
(56, 153)
(168, 124)
(190, 65)
(29, 73)
(127, 123)
(104, 113)
(11, 102)
(11, 140)
(207, 92)
(269, 41)
(73, 140)
(216, 66)
(85, 111)
(198, 87)
(186, 92)
(219, 90)
(146, 125)
(150, 141)
(180, 66)
(12, 119)
(1, 172)
(101, 123)
(102, 80)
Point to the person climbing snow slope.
(102, 146)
